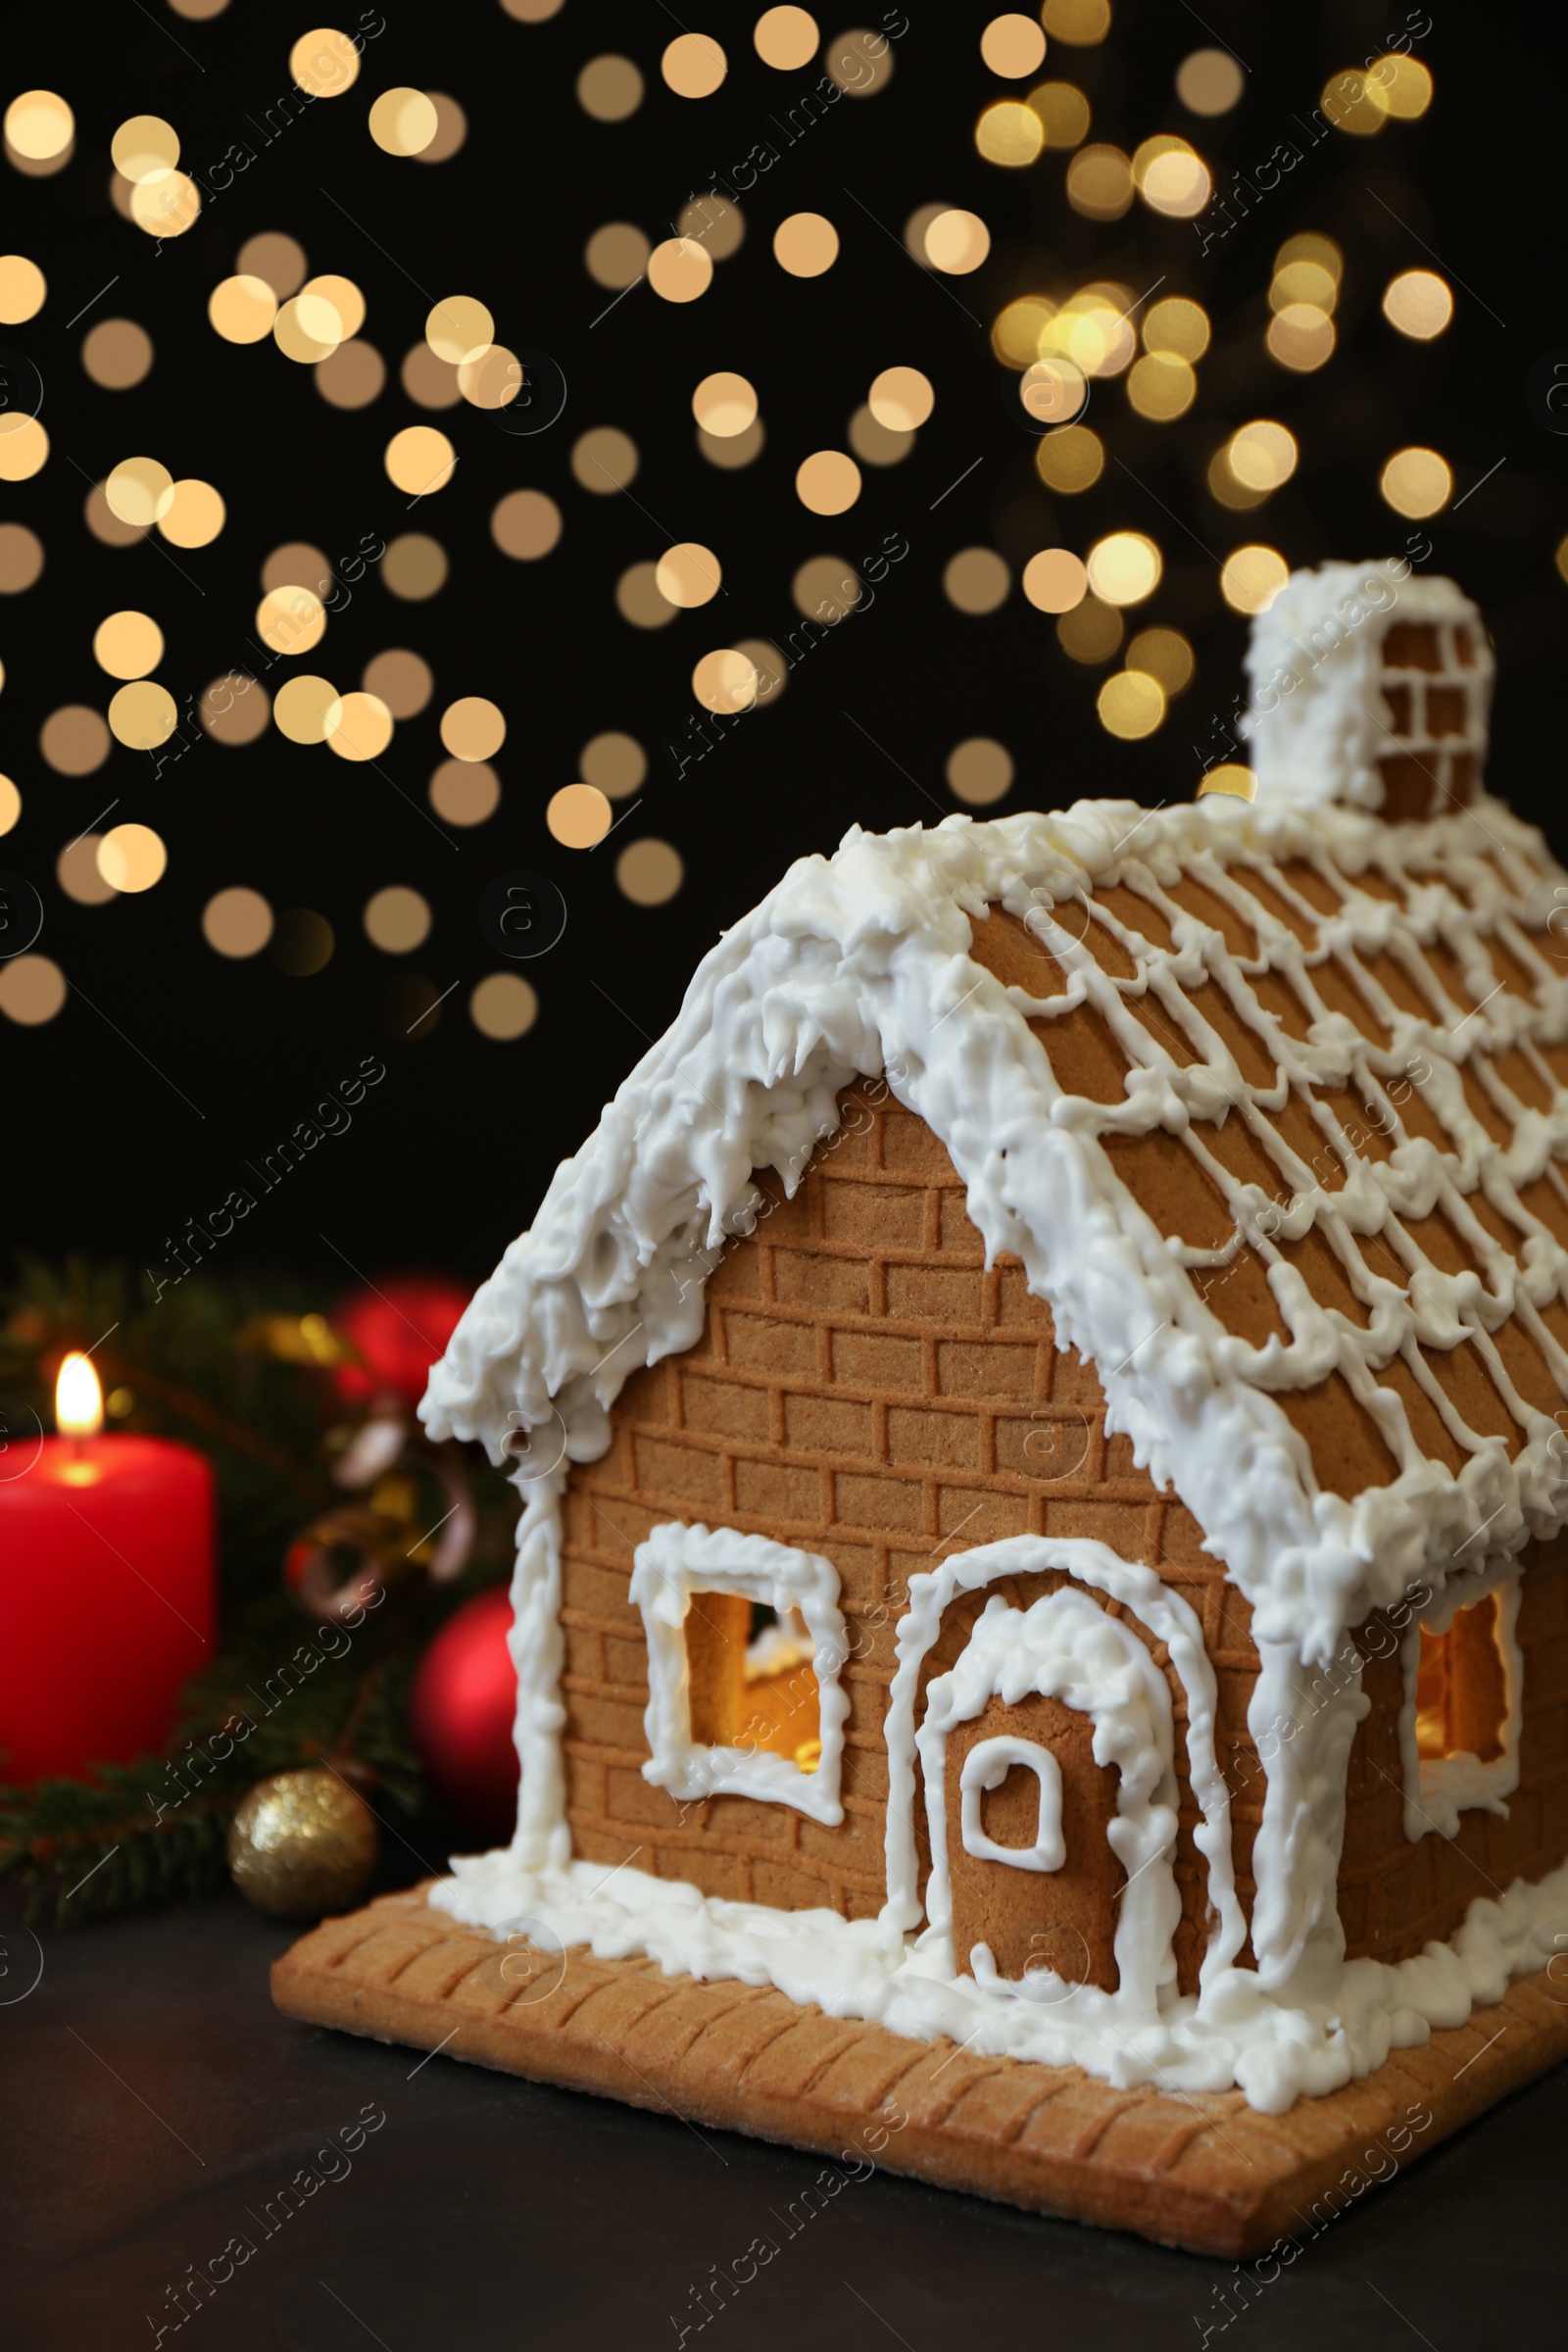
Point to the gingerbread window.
(1463, 1678)
(746, 1642)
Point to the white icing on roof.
(860, 963)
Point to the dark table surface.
(154, 2104)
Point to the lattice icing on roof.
(1222, 990)
(1371, 686)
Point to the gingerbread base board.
(1204, 2172)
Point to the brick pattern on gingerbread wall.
(867, 1389)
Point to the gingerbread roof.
(1266, 1097)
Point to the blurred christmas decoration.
(461, 1715)
(248, 1370)
(302, 1844)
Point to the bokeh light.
(1014, 46)
(979, 771)
(1418, 303)
(472, 728)
(724, 681)
(1178, 327)
(609, 88)
(397, 919)
(503, 1006)
(689, 575)
(827, 482)
(142, 715)
(362, 728)
(131, 859)
(1071, 459)
(1252, 578)
(901, 399)
(578, 816)
(976, 580)
(525, 525)
(237, 923)
(404, 122)
(614, 763)
(1124, 568)
(23, 289)
(464, 793)
(694, 66)
(724, 404)
(1166, 654)
(420, 459)
(116, 353)
(1078, 23)
(1100, 182)
(1010, 134)
(1130, 704)
(806, 244)
(1416, 482)
(786, 38)
(1091, 632)
(1162, 386)
(649, 873)
(1262, 454)
(957, 242)
(1064, 112)
(1210, 81)
(680, 269)
(1055, 580)
(127, 645)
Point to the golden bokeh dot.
(76, 873)
(875, 444)
(1262, 454)
(901, 399)
(472, 728)
(689, 575)
(296, 559)
(976, 580)
(116, 353)
(614, 763)
(605, 460)
(352, 376)
(915, 227)
(404, 122)
(465, 792)
(1161, 387)
(616, 255)
(1078, 23)
(1071, 459)
(139, 491)
(414, 567)
(649, 873)
(859, 63)
(39, 126)
(127, 645)
(577, 817)
(290, 619)
(725, 680)
(24, 448)
(242, 309)
(786, 38)
(1177, 326)
(451, 130)
(1124, 568)
(307, 329)
(957, 242)
(131, 859)
(679, 270)
(1229, 776)
(324, 63)
(806, 244)
(1014, 46)
(235, 709)
(362, 727)
(342, 297)
(22, 288)
(1009, 133)
(730, 450)
(198, 12)
(979, 771)
(640, 600)
(195, 514)
(719, 228)
(1064, 112)
(609, 88)
(145, 148)
(307, 708)
(768, 662)
(492, 379)
(1401, 87)
(430, 383)
(278, 260)
(829, 482)
(397, 919)
(403, 680)
(724, 404)
(237, 923)
(1301, 337)
(1055, 580)
(20, 559)
(420, 459)
(1416, 482)
(74, 740)
(1252, 578)
(141, 716)
(104, 523)
(827, 588)
(1018, 331)
(32, 989)
(1091, 632)
(459, 329)
(1418, 303)
(694, 66)
(525, 525)
(10, 804)
(505, 1006)
(167, 207)
(1210, 81)
(1165, 654)
(1130, 704)
(1224, 485)
(1100, 182)
(303, 942)
(532, 11)
(1171, 177)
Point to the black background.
(447, 1160)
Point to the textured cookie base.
(1204, 2172)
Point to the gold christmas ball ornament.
(301, 1845)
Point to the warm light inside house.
(751, 1684)
(1462, 1689)
(79, 1398)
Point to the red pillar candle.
(107, 1598)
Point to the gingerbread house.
(1040, 1417)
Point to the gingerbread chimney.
(1371, 686)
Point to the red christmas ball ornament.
(462, 1711)
(398, 1329)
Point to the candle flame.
(79, 1398)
